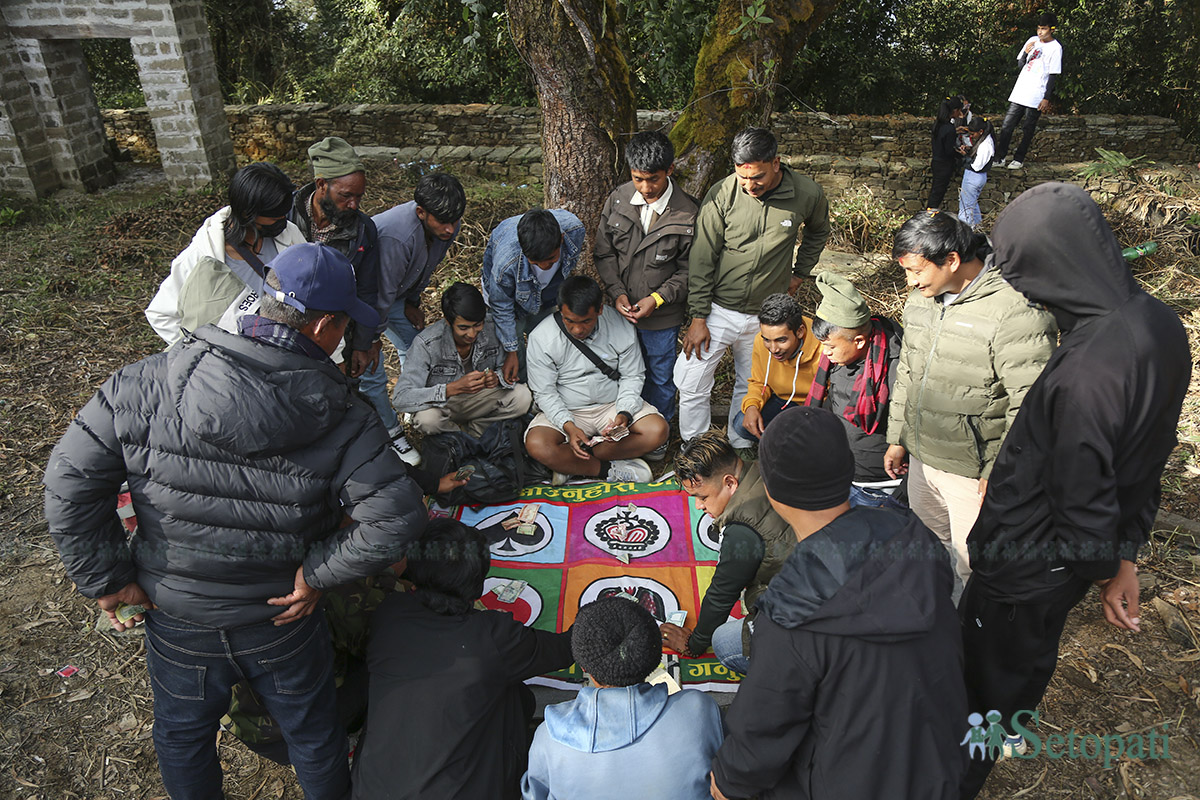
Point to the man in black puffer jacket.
(242, 453)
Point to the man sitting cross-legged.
(755, 541)
(586, 373)
(452, 377)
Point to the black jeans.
(1009, 655)
(943, 171)
(1012, 118)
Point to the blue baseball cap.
(319, 277)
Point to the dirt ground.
(77, 272)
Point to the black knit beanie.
(805, 459)
(616, 641)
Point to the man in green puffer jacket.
(973, 346)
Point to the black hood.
(870, 574)
(1054, 246)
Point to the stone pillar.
(26, 166)
(58, 76)
(179, 78)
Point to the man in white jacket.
(218, 277)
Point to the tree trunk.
(583, 89)
(735, 83)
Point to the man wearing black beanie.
(853, 689)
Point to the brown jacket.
(634, 263)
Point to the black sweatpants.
(1009, 654)
(943, 171)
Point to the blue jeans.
(400, 332)
(869, 497)
(770, 410)
(192, 671)
(968, 197)
(727, 646)
(658, 349)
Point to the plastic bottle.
(1144, 249)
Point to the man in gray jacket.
(243, 453)
(436, 385)
(586, 372)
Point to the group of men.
(1029, 405)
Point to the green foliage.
(863, 223)
(664, 38)
(113, 72)
(1112, 163)
(753, 17)
(9, 216)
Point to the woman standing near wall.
(946, 150)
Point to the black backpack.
(502, 467)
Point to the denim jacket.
(432, 362)
(509, 283)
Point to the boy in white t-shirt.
(1040, 61)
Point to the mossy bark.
(735, 83)
(584, 92)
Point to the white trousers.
(696, 376)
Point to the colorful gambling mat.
(571, 560)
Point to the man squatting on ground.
(586, 373)
(642, 247)
(452, 379)
(783, 366)
(413, 240)
(755, 541)
(326, 212)
(242, 453)
(855, 690)
(973, 345)
(526, 261)
(745, 233)
(854, 379)
(219, 273)
(1076, 485)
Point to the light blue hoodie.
(633, 741)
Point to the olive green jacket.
(743, 247)
(964, 369)
(750, 507)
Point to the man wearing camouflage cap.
(326, 212)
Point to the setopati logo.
(987, 739)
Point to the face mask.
(272, 230)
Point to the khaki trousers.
(472, 413)
(949, 505)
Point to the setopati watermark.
(988, 739)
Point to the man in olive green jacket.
(745, 234)
(973, 346)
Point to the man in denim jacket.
(526, 260)
(451, 379)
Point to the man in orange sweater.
(785, 360)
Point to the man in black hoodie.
(1076, 485)
(853, 689)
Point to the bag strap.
(252, 259)
(609, 372)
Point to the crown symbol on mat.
(627, 531)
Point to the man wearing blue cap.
(243, 453)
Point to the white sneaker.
(559, 478)
(629, 470)
(401, 445)
(1016, 164)
(1002, 162)
(1014, 746)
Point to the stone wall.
(889, 155)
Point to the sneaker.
(1016, 164)
(400, 444)
(629, 470)
(1002, 161)
(559, 478)
(657, 454)
(1014, 746)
